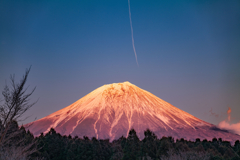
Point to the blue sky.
(188, 51)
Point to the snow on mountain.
(112, 110)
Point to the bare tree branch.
(15, 102)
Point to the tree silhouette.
(16, 101)
(132, 146)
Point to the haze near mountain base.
(110, 111)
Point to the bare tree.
(14, 104)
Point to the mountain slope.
(112, 110)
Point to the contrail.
(132, 31)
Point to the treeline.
(54, 146)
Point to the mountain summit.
(110, 111)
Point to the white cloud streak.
(132, 31)
(235, 128)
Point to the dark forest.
(53, 146)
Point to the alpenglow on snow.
(110, 111)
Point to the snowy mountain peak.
(111, 110)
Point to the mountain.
(110, 111)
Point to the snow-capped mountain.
(112, 110)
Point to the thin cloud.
(229, 113)
(213, 114)
(234, 128)
(130, 18)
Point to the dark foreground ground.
(54, 146)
